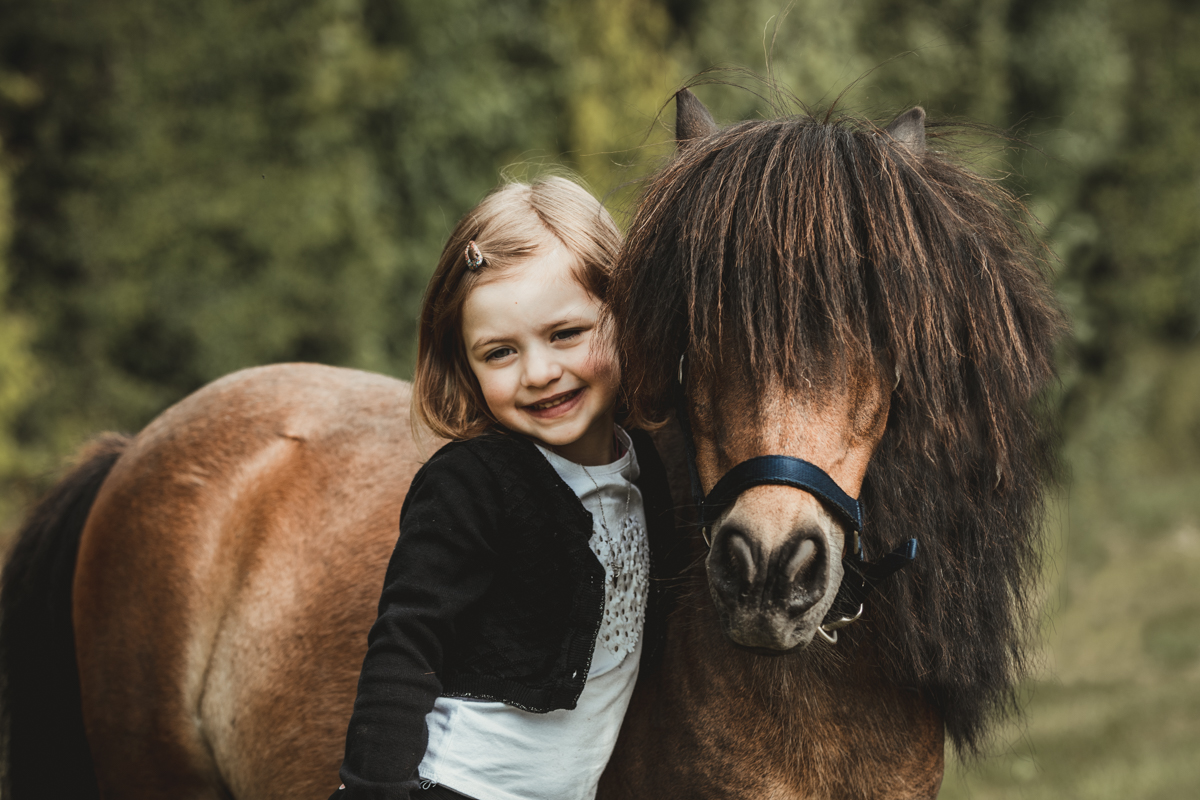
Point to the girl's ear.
(692, 119)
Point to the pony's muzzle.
(769, 597)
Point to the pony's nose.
(789, 578)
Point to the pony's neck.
(715, 721)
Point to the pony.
(185, 613)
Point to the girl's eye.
(569, 333)
(498, 353)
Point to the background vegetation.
(191, 188)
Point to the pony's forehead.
(805, 128)
(796, 187)
(790, 239)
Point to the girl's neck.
(594, 449)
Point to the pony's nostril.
(803, 573)
(806, 551)
(741, 560)
(734, 564)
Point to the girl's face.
(533, 342)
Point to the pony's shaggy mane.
(798, 246)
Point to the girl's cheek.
(488, 388)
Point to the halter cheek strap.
(859, 576)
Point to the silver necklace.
(612, 542)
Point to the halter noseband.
(859, 575)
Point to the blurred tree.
(1131, 246)
(206, 187)
(618, 74)
(17, 369)
(808, 46)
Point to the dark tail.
(42, 743)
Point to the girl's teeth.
(553, 403)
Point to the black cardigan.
(492, 592)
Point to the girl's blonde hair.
(511, 224)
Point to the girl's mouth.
(555, 403)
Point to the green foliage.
(1140, 272)
(18, 372)
(1131, 253)
(617, 75)
(208, 187)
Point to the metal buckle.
(856, 545)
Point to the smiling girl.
(522, 593)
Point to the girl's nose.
(541, 369)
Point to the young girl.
(510, 628)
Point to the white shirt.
(493, 751)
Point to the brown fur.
(767, 730)
(226, 579)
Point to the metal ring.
(832, 627)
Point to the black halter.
(859, 575)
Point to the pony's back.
(225, 580)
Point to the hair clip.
(474, 257)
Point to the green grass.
(1116, 710)
(1095, 742)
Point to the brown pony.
(185, 614)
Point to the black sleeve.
(442, 563)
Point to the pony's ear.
(909, 129)
(692, 120)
